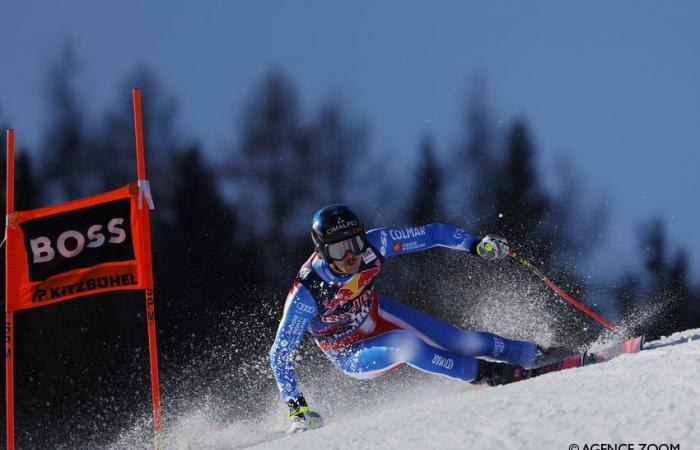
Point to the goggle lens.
(337, 250)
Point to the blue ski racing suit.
(366, 334)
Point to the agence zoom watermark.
(625, 446)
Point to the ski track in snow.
(648, 397)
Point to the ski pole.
(528, 265)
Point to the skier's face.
(349, 264)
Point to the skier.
(366, 334)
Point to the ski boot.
(549, 355)
(493, 373)
(301, 416)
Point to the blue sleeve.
(396, 241)
(299, 310)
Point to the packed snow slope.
(652, 397)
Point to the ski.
(580, 359)
(633, 345)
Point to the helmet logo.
(340, 220)
(342, 225)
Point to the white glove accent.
(492, 247)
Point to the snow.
(652, 397)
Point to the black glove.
(301, 416)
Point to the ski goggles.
(337, 250)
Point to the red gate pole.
(528, 265)
(148, 271)
(9, 319)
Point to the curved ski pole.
(528, 265)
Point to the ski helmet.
(337, 224)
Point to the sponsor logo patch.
(368, 256)
(341, 225)
(50, 291)
(498, 347)
(440, 361)
(303, 273)
(412, 245)
(407, 233)
(78, 239)
(305, 308)
(382, 249)
(295, 327)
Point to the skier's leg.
(381, 354)
(441, 334)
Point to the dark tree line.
(228, 238)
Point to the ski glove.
(492, 247)
(302, 417)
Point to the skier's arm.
(299, 310)
(397, 241)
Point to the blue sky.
(612, 86)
